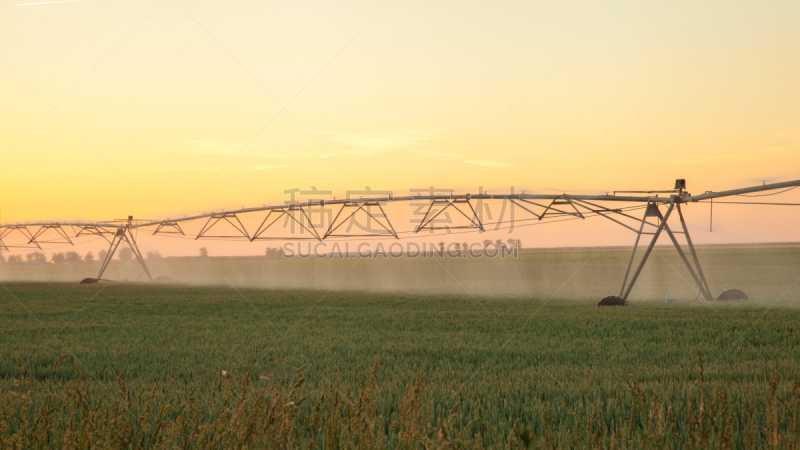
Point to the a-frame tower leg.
(132, 242)
(697, 276)
(708, 297)
(627, 291)
(118, 236)
(696, 271)
(124, 234)
(633, 252)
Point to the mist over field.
(767, 273)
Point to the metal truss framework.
(288, 212)
(653, 223)
(382, 219)
(432, 212)
(93, 230)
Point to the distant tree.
(2, 258)
(15, 259)
(486, 243)
(203, 252)
(500, 244)
(125, 254)
(274, 252)
(72, 258)
(89, 256)
(153, 255)
(58, 258)
(441, 248)
(101, 255)
(36, 258)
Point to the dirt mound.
(89, 281)
(163, 278)
(731, 294)
(612, 300)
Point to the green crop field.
(171, 365)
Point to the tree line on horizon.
(73, 257)
(126, 254)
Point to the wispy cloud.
(337, 143)
(178, 169)
(474, 162)
(363, 152)
(493, 164)
(217, 147)
(213, 168)
(351, 144)
(361, 145)
(435, 153)
(48, 3)
(267, 167)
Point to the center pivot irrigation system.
(541, 207)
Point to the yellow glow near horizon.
(166, 107)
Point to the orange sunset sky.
(155, 108)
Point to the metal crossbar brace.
(174, 225)
(22, 229)
(602, 211)
(389, 230)
(261, 228)
(516, 202)
(94, 230)
(474, 221)
(213, 220)
(43, 229)
(286, 212)
(558, 212)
